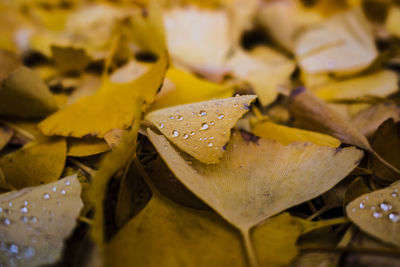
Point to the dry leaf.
(378, 213)
(35, 164)
(35, 221)
(238, 187)
(201, 129)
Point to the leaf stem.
(250, 252)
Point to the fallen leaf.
(201, 129)
(35, 221)
(237, 188)
(35, 164)
(377, 213)
(393, 20)
(82, 147)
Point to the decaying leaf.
(201, 129)
(265, 69)
(23, 94)
(181, 87)
(342, 44)
(287, 135)
(378, 213)
(35, 164)
(238, 187)
(35, 221)
(112, 106)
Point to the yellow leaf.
(342, 44)
(393, 21)
(265, 69)
(201, 129)
(287, 135)
(36, 220)
(377, 213)
(35, 164)
(181, 87)
(380, 84)
(255, 172)
(82, 147)
(112, 106)
(23, 94)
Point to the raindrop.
(24, 209)
(211, 137)
(46, 196)
(185, 136)
(394, 217)
(1, 209)
(204, 126)
(63, 192)
(161, 125)
(202, 113)
(210, 144)
(171, 117)
(33, 219)
(201, 138)
(179, 117)
(362, 205)
(385, 206)
(377, 214)
(10, 204)
(24, 219)
(212, 123)
(54, 189)
(26, 202)
(192, 133)
(175, 133)
(14, 249)
(5, 221)
(221, 116)
(67, 183)
(394, 194)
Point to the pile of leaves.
(199, 133)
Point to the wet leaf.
(378, 213)
(35, 164)
(238, 187)
(201, 129)
(35, 221)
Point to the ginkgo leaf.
(5, 135)
(168, 234)
(368, 120)
(287, 135)
(380, 84)
(239, 186)
(265, 69)
(188, 29)
(378, 213)
(393, 20)
(23, 94)
(82, 147)
(35, 164)
(181, 87)
(201, 129)
(342, 44)
(35, 221)
(112, 106)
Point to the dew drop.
(23, 219)
(5, 221)
(67, 183)
(175, 133)
(373, 208)
(212, 123)
(33, 219)
(385, 206)
(377, 214)
(210, 144)
(202, 113)
(24, 209)
(362, 205)
(46, 196)
(353, 210)
(26, 202)
(394, 194)
(185, 136)
(221, 116)
(171, 117)
(179, 117)
(192, 133)
(54, 189)
(394, 217)
(161, 125)
(10, 204)
(204, 126)
(29, 252)
(211, 137)
(63, 192)
(1, 209)
(14, 248)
